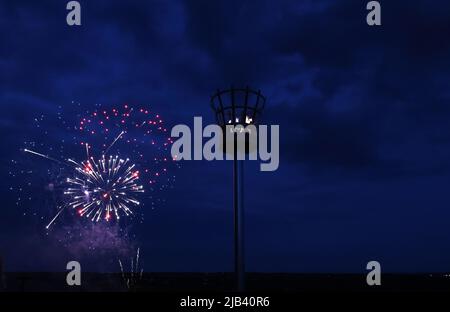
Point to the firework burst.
(104, 188)
(103, 162)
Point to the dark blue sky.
(363, 113)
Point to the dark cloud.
(363, 113)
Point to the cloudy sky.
(363, 112)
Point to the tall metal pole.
(231, 114)
(238, 203)
(1, 275)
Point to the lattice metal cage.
(237, 106)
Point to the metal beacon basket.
(235, 110)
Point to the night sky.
(363, 112)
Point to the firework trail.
(115, 140)
(56, 216)
(42, 155)
(131, 278)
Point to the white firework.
(104, 188)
